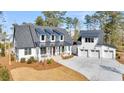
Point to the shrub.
(31, 60)
(49, 61)
(4, 74)
(22, 60)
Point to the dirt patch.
(60, 73)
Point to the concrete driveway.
(95, 69)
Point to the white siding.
(44, 38)
(22, 55)
(101, 54)
(95, 53)
(108, 49)
(89, 45)
(83, 53)
(68, 49)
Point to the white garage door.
(95, 53)
(84, 53)
(108, 54)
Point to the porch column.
(56, 51)
(38, 53)
(69, 49)
(48, 51)
(51, 51)
(60, 49)
(65, 49)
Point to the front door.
(62, 48)
(53, 50)
(59, 50)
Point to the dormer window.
(42, 38)
(61, 37)
(53, 38)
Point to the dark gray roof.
(67, 37)
(57, 32)
(43, 44)
(27, 35)
(94, 33)
(23, 36)
(49, 31)
(40, 30)
(91, 33)
(112, 46)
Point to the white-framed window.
(43, 50)
(89, 40)
(52, 37)
(42, 38)
(61, 38)
(27, 51)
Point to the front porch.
(48, 52)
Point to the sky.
(29, 17)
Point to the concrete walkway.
(95, 69)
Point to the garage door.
(95, 54)
(84, 53)
(108, 54)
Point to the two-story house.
(92, 45)
(40, 42)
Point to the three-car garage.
(99, 52)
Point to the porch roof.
(47, 44)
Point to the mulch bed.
(37, 66)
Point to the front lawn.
(48, 70)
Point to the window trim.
(42, 38)
(61, 37)
(43, 50)
(27, 51)
(54, 38)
